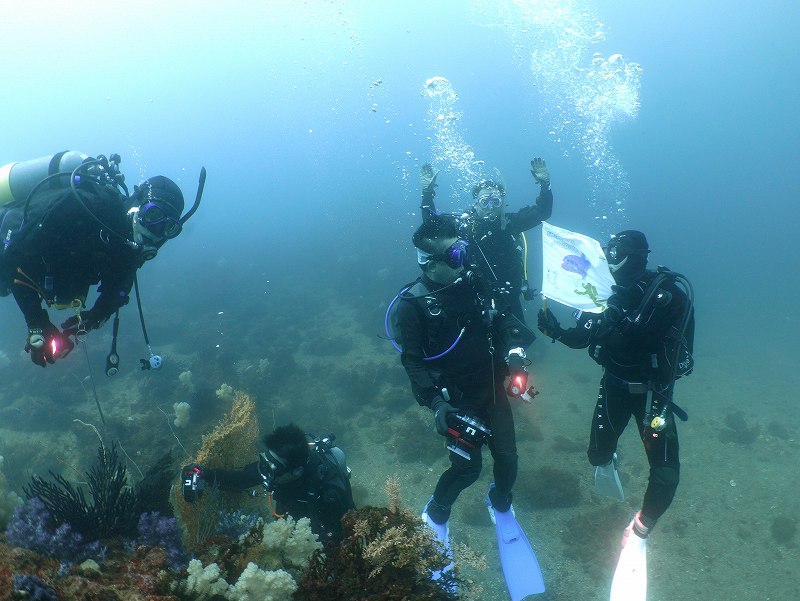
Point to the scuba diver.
(458, 347)
(68, 222)
(496, 235)
(306, 477)
(643, 340)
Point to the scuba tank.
(18, 179)
(327, 448)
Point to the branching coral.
(387, 554)
(113, 508)
(234, 441)
(58, 518)
(392, 487)
(231, 444)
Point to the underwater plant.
(115, 506)
(387, 553)
(232, 443)
(112, 511)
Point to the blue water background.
(312, 120)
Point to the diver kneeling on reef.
(305, 478)
(67, 222)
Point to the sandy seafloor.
(318, 360)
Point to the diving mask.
(275, 469)
(455, 257)
(489, 204)
(489, 201)
(156, 218)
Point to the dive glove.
(540, 173)
(46, 344)
(192, 483)
(441, 409)
(548, 324)
(80, 324)
(427, 177)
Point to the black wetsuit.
(429, 320)
(502, 248)
(322, 493)
(64, 250)
(626, 351)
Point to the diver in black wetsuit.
(457, 351)
(644, 341)
(496, 235)
(67, 223)
(305, 478)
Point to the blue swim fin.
(520, 566)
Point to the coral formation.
(57, 520)
(386, 553)
(185, 378)
(204, 582)
(182, 411)
(113, 508)
(224, 392)
(231, 444)
(285, 543)
(34, 588)
(32, 527)
(254, 584)
(156, 530)
(234, 441)
(236, 524)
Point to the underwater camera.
(465, 434)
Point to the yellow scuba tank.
(18, 179)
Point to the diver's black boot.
(500, 502)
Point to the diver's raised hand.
(540, 173)
(427, 177)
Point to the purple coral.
(31, 526)
(156, 530)
(36, 589)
